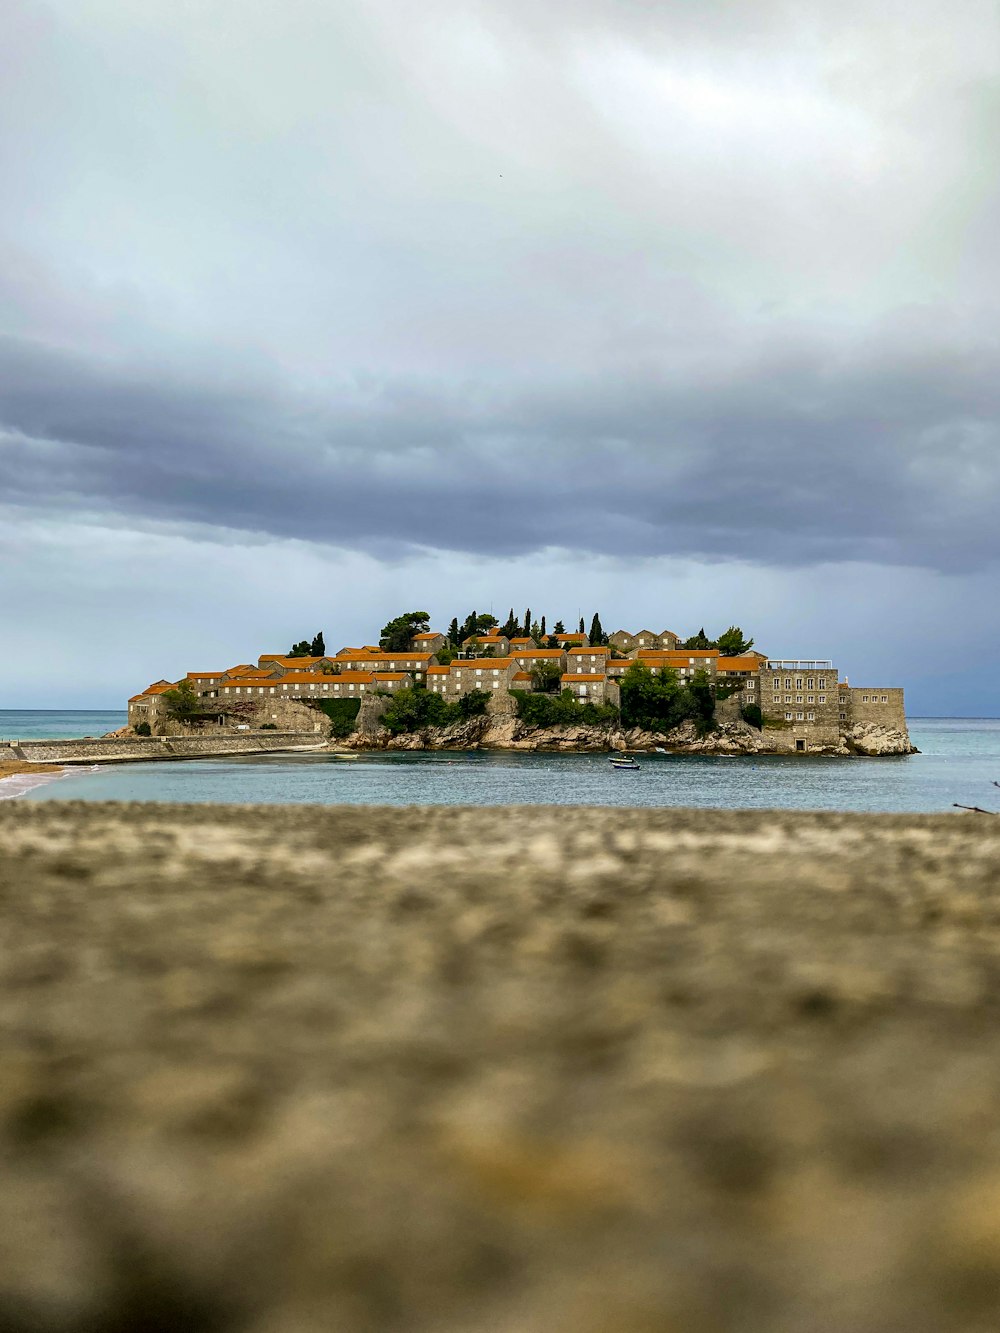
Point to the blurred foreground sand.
(524, 1071)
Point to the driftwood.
(977, 809)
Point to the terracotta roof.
(136, 697)
(522, 640)
(240, 670)
(480, 662)
(570, 638)
(521, 675)
(581, 675)
(159, 687)
(676, 654)
(391, 675)
(204, 675)
(738, 664)
(437, 670)
(594, 648)
(431, 634)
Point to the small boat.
(622, 761)
(658, 749)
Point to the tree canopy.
(597, 635)
(182, 701)
(732, 643)
(396, 635)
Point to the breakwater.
(124, 749)
(526, 1069)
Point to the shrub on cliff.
(751, 713)
(143, 729)
(416, 708)
(660, 702)
(343, 714)
(547, 710)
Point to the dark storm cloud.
(712, 281)
(793, 460)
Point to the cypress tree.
(597, 634)
(453, 632)
(581, 629)
(317, 648)
(527, 623)
(542, 628)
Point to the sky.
(312, 313)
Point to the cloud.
(705, 284)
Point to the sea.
(959, 761)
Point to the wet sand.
(516, 1071)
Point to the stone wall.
(120, 749)
(880, 704)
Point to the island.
(518, 686)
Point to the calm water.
(959, 760)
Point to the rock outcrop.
(870, 739)
(730, 738)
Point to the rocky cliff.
(509, 733)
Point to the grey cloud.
(795, 461)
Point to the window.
(799, 717)
(798, 698)
(822, 682)
(822, 698)
(788, 717)
(479, 671)
(810, 700)
(843, 717)
(788, 698)
(798, 682)
(810, 684)
(788, 682)
(885, 698)
(810, 717)
(864, 698)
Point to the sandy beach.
(516, 1070)
(15, 768)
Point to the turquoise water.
(960, 759)
(49, 724)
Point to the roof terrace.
(797, 664)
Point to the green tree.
(510, 625)
(453, 633)
(468, 627)
(581, 629)
(699, 640)
(396, 635)
(545, 676)
(301, 649)
(485, 623)
(732, 643)
(597, 634)
(560, 628)
(535, 632)
(526, 630)
(660, 702)
(446, 655)
(182, 701)
(318, 647)
(541, 632)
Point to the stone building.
(591, 660)
(588, 688)
(881, 704)
(480, 673)
(801, 696)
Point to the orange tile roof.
(738, 664)
(135, 698)
(581, 675)
(522, 640)
(391, 675)
(480, 662)
(570, 638)
(593, 648)
(240, 670)
(204, 675)
(431, 634)
(521, 675)
(159, 687)
(437, 670)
